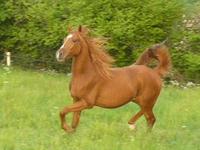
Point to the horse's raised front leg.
(76, 119)
(76, 115)
(76, 107)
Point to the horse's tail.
(159, 52)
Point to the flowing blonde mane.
(100, 58)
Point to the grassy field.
(30, 104)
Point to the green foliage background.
(33, 30)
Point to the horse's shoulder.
(80, 86)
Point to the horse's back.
(140, 77)
(147, 76)
(137, 71)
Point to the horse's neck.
(82, 63)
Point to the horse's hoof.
(132, 127)
(70, 130)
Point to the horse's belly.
(107, 103)
(115, 96)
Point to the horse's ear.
(166, 42)
(80, 28)
(83, 30)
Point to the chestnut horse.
(95, 83)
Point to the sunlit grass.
(30, 103)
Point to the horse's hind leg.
(148, 113)
(146, 105)
(134, 119)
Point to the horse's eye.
(75, 40)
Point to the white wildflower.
(175, 83)
(184, 21)
(190, 84)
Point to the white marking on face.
(67, 38)
(57, 55)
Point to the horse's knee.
(62, 114)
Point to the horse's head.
(71, 46)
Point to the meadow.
(30, 102)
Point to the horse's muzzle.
(59, 56)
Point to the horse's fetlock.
(153, 120)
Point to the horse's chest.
(76, 91)
(78, 88)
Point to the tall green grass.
(29, 120)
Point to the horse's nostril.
(61, 54)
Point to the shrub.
(33, 30)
